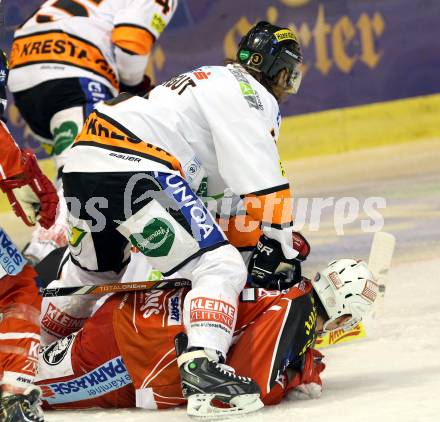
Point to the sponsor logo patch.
(156, 238)
(175, 309)
(244, 54)
(76, 235)
(31, 364)
(11, 260)
(158, 23)
(59, 323)
(336, 281)
(110, 376)
(151, 304)
(64, 136)
(370, 290)
(200, 74)
(203, 227)
(285, 34)
(341, 336)
(57, 351)
(212, 310)
(250, 95)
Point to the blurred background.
(361, 58)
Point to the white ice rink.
(393, 375)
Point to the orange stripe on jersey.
(133, 39)
(59, 47)
(242, 231)
(270, 206)
(102, 131)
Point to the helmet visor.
(294, 81)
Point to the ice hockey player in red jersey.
(33, 198)
(68, 56)
(125, 357)
(140, 161)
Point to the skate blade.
(200, 406)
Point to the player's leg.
(97, 252)
(173, 228)
(19, 335)
(56, 111)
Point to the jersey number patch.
(71, 7)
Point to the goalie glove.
(31, 194)
(306, 384)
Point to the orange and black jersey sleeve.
(272, 207)
(140, 23)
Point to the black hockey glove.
(270, 269)
(285, 279)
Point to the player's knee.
(229, 265)
(238, 266)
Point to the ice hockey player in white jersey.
(70, 55)
(131, 178)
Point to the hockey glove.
(285, 279)
(306, 384)
(140, 89)
(301, 245)
(31, 194)
(270, 269)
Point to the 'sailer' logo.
(205, 309)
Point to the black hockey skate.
(22, 407)
(212, 389)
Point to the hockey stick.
(381, 254)
(99, 289)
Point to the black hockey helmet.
(268, 49)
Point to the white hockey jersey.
(85, 38)
(216, 125)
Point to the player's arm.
(304, 381)
(249, 163)
(29, 191)
(136, 29)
